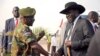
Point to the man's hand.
(41, 34)
(68, 43)
(56, 54)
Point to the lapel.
(66, 30)
(74, 29)
(12, 24)
(76, 26)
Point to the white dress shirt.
(93, 25)
(53, 41)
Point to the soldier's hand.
(42, 33)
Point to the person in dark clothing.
(9, 26)
(94, 47)
(78, 32)
(93, 17)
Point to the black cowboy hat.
(72, 5)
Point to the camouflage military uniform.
(22, 35)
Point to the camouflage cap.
(27, 11)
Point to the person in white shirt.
(53, 44)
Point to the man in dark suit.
(78, 31)
(94, 47)
(9, 26)
(93, 17)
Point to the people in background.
(9, 26)
(24, 40)
(94, 47)
(93, 17)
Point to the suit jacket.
(81, 36)
(9, 26)
(94, 47)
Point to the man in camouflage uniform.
(23, 38)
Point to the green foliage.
(37, 30)
(8, 54)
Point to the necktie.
(16, 22)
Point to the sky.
(47, 11)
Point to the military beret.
(27, 11)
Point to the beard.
(71, 19)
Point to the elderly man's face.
(28, 20)
(71, 15)
(16, 12)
